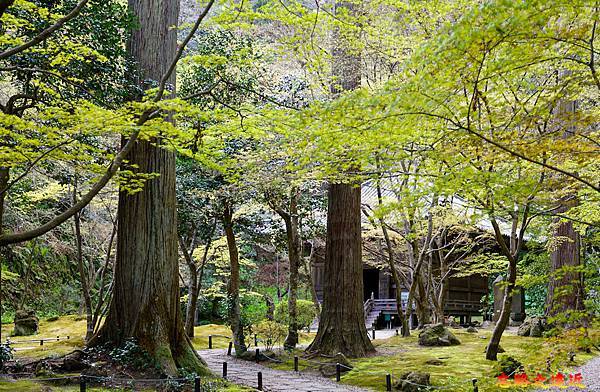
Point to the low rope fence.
(41, 341)
(199, 385)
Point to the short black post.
(396, 331)
(257, 356)
(338, 371)
(82, 386)
(295, 363)
(373, 333)
(224, 369)
(475, 387)
(255, 340)
(388, 382)
(229, 348)
(57, 338)
(68, 337)
(259, 381)
(210, 341)
(196, 384)
(41, 342)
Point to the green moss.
(459, 364)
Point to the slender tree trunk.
(342, 326)
(311, 284)
(145, 303)
(392, 266)
(190, 311)
(492, 347)
(293, 241)
(4, 178)
(233, 288)
(85, 284)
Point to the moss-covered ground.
(396, 356)
(74, 327)
(457, 366)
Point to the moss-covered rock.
(437, 335)
(534, 327)
(413, 382)
(26, 323)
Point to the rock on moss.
(534, 327)
(437, 335)
(26, 323)
(413, 382)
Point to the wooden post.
(475, 387)
(255, 340)
(373, 333)
(57, 338)
(257, 356)
(210, 342)
(196, 384)
(388, 382)
(396, 331)
(225, 370)
(338, 371)
(260, 387)
(229, 348)
(68, 337)
(82, 386)
(295, 363)
(41, 342)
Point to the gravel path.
(245, 373)
(591, 378)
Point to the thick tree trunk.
(145, 304)
(293, 241)
(342, 325)
(565, 289)
(233, 288)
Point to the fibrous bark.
(145, 304)
(342, 324)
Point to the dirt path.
(246, 373)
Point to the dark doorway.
(371, 283)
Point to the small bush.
(509, 366)
(131, 354)
(306, 313)
(270, 333)
(6, 353)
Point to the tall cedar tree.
(342, 325)
(145, 304)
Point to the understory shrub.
(306, 313)
(270, 333)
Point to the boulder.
(328, 369)
(437, 335)
(472, 329)
(26, 323)
(413, 382)
(534, 327)
(75, 362)
(486, 324)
